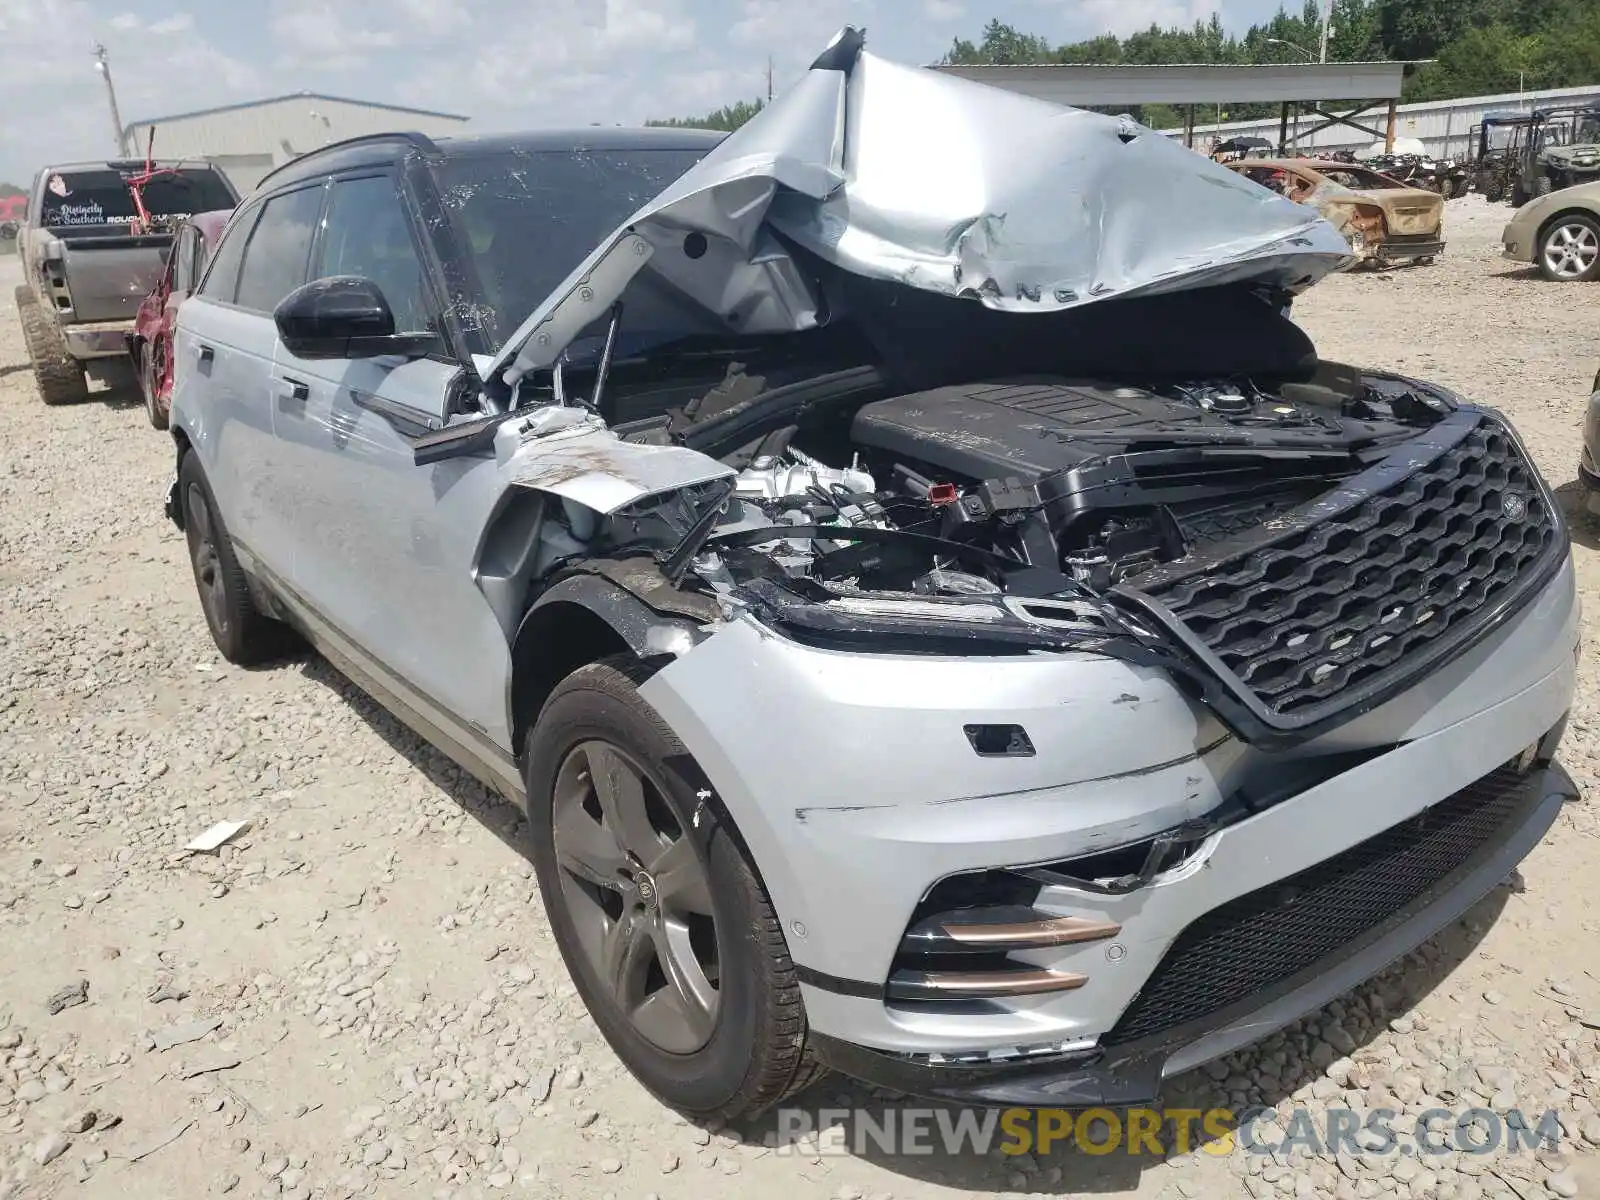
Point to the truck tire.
(1543, 186)
(57, 374)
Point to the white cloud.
(55, 103)
(1088, 18)
(313, 36)
(943, 10)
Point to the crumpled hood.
(935, 182)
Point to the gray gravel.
(373, 956)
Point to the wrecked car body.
(941, 618)
(1385, 221)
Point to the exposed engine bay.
(1036, 486)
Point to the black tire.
(145, 365)
(1493, 191)
(1543, 186)
(242, 634)
(58, 376)
(755, 1053)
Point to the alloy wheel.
(208, 570)
(1571, 249)
(639, 897)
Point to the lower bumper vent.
(1269, 936)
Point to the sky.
(506, 64)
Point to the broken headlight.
(907, 623)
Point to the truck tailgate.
(107, 277)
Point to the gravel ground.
(358, 996)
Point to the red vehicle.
(150, 343)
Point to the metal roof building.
(249, 140)
(1295, 87)
(1444, 127)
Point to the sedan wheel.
(638, 896)
(1570, 249)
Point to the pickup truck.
(93, 243)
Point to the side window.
(222, 280)
(183, 259)
(280, 244)
(366, 233)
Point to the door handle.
(292, 394)
(207, 354)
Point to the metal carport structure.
(1292, 86)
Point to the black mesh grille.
(1343, 599)
(1270, 935)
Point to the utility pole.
(1327, 16)
(101, 65)
(769, 79)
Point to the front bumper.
(856, 792)
(1131, 1073)
(97, 339)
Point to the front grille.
(1338, 600)
(1265, 937)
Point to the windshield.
(1358, 178)
(1588, 132)
(528, 218)
(102, 197)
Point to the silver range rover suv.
(939, 615)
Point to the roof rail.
(416, 139)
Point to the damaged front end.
(909, 365)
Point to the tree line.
(1479, 47)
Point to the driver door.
(385, 557)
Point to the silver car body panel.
(856, 791)
(935, 182)
(847, 774)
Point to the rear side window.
(280, 245)
(222, 281)
(102, 197)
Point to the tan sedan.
(1560, 233)
(1384, 220)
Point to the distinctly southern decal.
(78, 214)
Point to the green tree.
(725, 119)
(1001, 45)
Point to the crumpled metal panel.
(914, 176)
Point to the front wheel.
(663, 924)
(1543, 185)
(1569, 250)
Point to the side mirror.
(344, 316)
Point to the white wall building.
(249, 140)
(1442, 126)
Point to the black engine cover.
(1022, 428)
